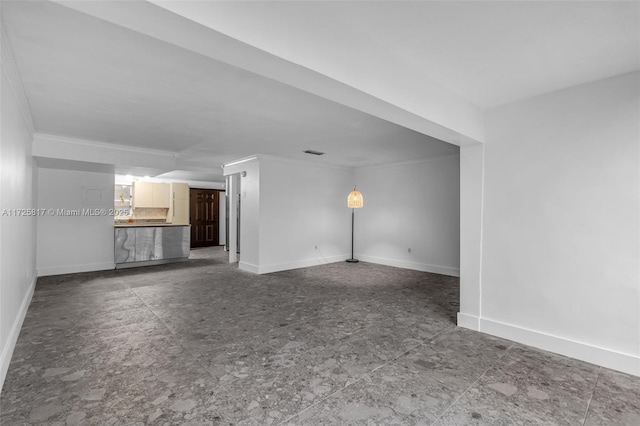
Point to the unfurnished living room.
(320, 212)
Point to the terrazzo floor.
(204, 343)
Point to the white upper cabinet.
(151, 195)
(179, 210)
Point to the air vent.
(312, 152)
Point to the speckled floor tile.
(292, 383)
(131, 376)
(413, 388)
(527, 387)
(201, 342)
(616, 400)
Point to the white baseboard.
(73, 269)
(468, 321)
(244, 266)
(12, 338)
(627, 363)
(424, 267)
(266, 269)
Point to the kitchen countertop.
(144, 225)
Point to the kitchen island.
(150, 244)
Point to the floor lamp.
(354, 201)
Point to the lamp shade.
(354, 200)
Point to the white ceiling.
(488, 52)
(89, 79)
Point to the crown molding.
(240, 161)
(335, 167)
(409, 162)
(8, 65)
(48, 138)
(300, 161)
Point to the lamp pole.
(354, 200)
(353, 221)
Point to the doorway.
(204, 207)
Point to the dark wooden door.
(204, 212)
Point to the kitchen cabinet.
(142, 194)
(179, 209)
(151, 195)
(125, 243)
(146, 243)
(161, 196)
(150, 245)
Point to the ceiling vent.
(312, 152)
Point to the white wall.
(222, 229)
(17, 233)
(303, 214)
(560, 251)
(248, 188)
(68, 244)
(294, 214)
(471, 187)
(412, 206)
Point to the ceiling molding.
(259, 157)
(44, 137)
(81, 166)
(132, 159)
(7, 62)
(302, 162)
(61, 147)
(199, 184)
(240, 161)
(408, 162)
